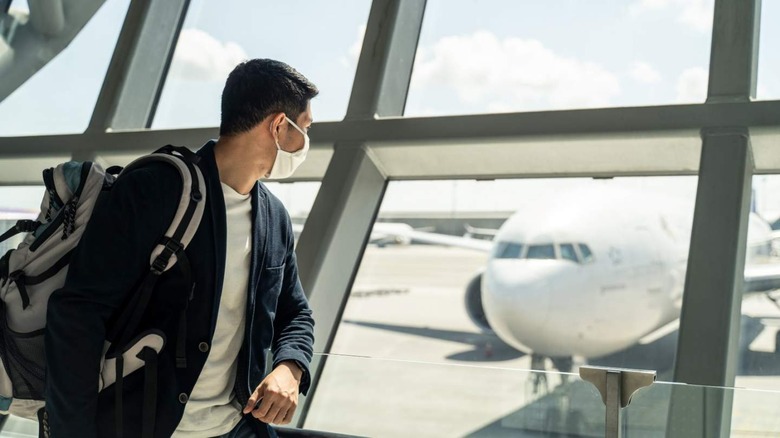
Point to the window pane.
(759, 361)
(297, 198)
(17, 203)
(541, 252)
(25, 171)
(559, 54)
(458, 305)
(585, 251)
(41, 95)
(769, 52)
(508, 250)
(216, 37)
(568, 253)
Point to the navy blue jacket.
(110, 261)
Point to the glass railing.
(387, 398)
(362, 396)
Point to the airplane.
(382, 234)
(591, 272)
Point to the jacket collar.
(215, 203)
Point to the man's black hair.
(258, 88)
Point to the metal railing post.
(616, 386)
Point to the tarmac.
(407, 361)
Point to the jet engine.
(474, 303)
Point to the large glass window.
(425, 302)
(768, 49)
(629, 224)
(17, 203)
(324, 50)
(559, 54)
(297, 198)
(51, 70)
(759, 336)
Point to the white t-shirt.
(212, 409)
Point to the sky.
(556, 54)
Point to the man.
(245, 298)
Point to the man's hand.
(278, 394)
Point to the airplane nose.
(517, 297)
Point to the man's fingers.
(272, 413)
(253, 400)
(265, 405)
(280, 417)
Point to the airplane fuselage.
(588, 274)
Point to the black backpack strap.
(149, 356)
(128, 321)
(118, 393)
(149, 410)
(181, 336)
(19, 279)
(22, 226)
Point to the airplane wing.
(762, 277)
(447, 240)
(474, 231)
(404, 234)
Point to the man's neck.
(240, 162)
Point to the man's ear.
(276, 123)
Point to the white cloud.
(201, 57)
(641, 6)
(505, 73)
(354, 51)
(764, 92)
(645, 73)
(695, 13)
(692, 85)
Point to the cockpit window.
(508, 250)
(587, 255)
(541, 252)
(575, 252)
(568, 252)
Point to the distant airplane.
(383, 233)
(590, 273)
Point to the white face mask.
(286, 162)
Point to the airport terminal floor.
(514, 219)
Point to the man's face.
(293, 139)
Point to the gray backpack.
(30, 273)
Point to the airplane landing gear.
(538, 379)
(564, 365)
(539, 384)
(777, 342)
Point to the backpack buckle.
(170, 247)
